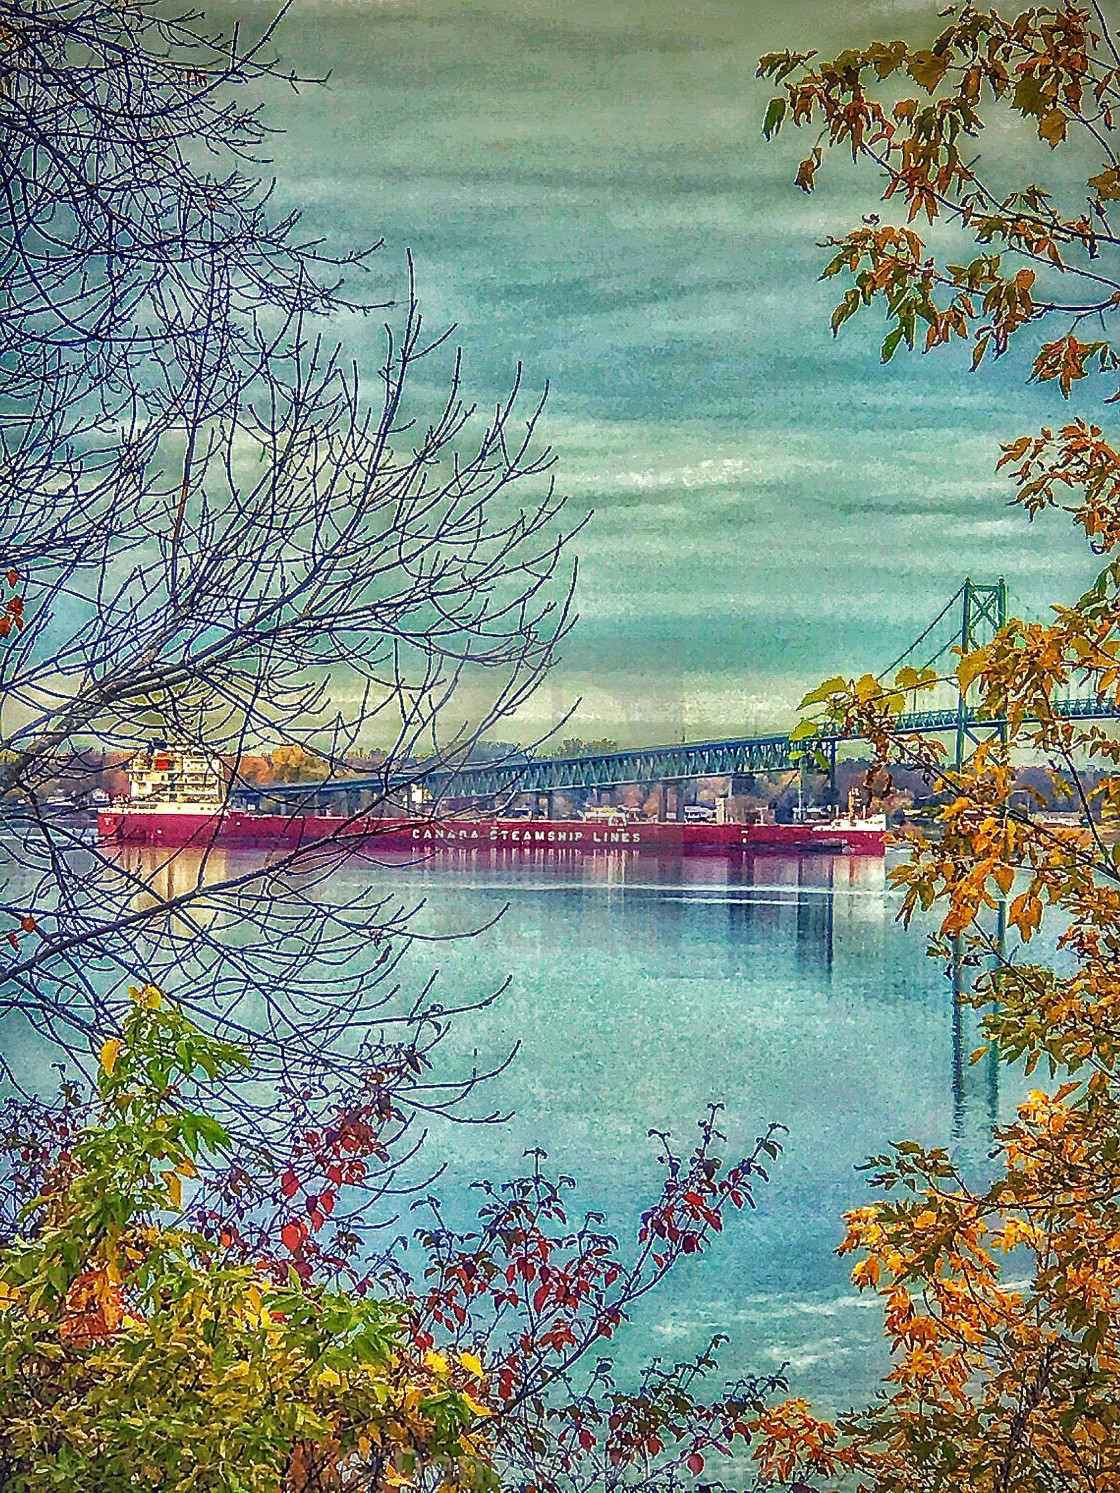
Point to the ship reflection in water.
(805, 905)
(160, 877)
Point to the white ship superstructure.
(174, 778)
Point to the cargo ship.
(178, 799)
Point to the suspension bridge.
(968, 621)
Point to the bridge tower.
(983, 613)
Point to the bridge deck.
(754, 754)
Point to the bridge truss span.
(968, 620)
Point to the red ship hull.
(238, 829)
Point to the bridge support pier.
(677, 786)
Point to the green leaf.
(1030, 97)
(803, 730)
(886, 57)
(847, 308)
(775, 113)
(890, 343)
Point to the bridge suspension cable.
(922, 636)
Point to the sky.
(585, 190)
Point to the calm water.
(638, 992)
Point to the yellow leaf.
(1107, 184)
(474, 1406)
(971, 665)
(927, 68)
(435, 1361)
(109, 1053)
(472, 1362)
(867, 687)
(174, 1188)
(823, 692)
(1052, 127)
(328, 1378)
(866, 1273)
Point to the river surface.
(639, 991)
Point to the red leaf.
(289, 1184)
(696, 1464)
(540, 1296)
(326, 1202)
(291, 1236)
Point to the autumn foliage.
(135, 1352)
(1002, 1303)
(917, 113)
(180, 1309)
(1001, 1300)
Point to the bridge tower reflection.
(975, 1084)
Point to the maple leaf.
(927, 68)
(1107, 184)
(1031, 97)
(1052, 128)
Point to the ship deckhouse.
(175, 777)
